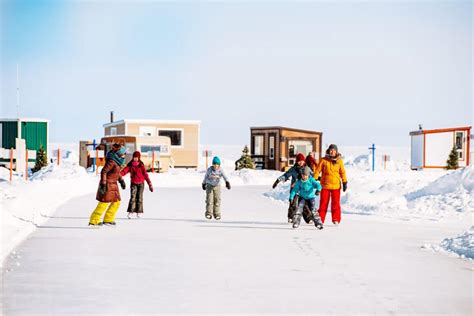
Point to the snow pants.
(310, 204)
(110, 210)
(135, 205)
(335, 196)
(213, 200)
(307, 215)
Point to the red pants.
(335, 196)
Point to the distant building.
(276, 147)
(34, 131)
(431, 148)
(184, 138)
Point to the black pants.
(136, 198)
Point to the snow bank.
(462, 245)
(25, 204)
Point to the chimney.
(420, 127)
(111, 116)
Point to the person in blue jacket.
(305, 188)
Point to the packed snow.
(462, 245)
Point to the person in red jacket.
(138, 175)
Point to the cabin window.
(150, 148)
(147, 131)
(299, 146)
(176, 136)
(258, 145)
(459, 144)
(113, 131)
(272, 147)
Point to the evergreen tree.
(245, 161)
(41, 159)
(452, 162)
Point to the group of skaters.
(308, 180)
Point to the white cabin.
(431, 148)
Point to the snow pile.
(25, 204)
(462, 245)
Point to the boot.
(296, 221)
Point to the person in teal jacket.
(305, 188)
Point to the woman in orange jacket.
(333, 173)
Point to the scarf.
(113, 155)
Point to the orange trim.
(468, 149)
(434, 167)
(424, 149)
(444, 130)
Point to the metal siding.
(35, 135)
(9, 134)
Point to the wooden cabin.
(276, 147)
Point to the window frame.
(181, 130)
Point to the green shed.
(34, 131)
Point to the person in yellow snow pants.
(108, 193)
(110, 210)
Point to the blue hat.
(216, 161)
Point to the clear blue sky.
(360, 72)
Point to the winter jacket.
(109, 176)
(294, 173)
(213, 177)
(138, 173)
(311, 162)
(332, 172)
(305, 189)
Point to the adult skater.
(108, 193)
(333, 173)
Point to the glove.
(276, 183)
(204, 186)
(151, 188)
(227, 185)
(102, 188)
(344, 186)
(122, 184)
(317, 192)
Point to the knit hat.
(300, 157)
(307, 171)
(216, 161)
(137, 155)
(332, 146)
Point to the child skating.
(138, 176)
(211, 184)
(305, 188)
(294, 173)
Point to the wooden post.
(207, 165)
(97, 160)
(152, 161)
(59, 155)
(11, 164)
(26, 166)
